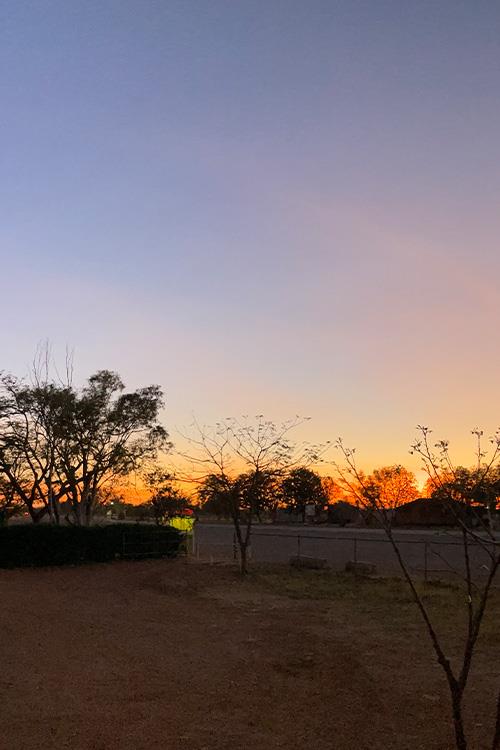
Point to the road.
(426, 551)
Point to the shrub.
(34, 546)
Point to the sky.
(271, 206)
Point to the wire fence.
(431, 557)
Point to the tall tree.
(213, 497)
(239, 458)
(29, 413)
(470, 489)
(106, 433)
(166, 499)
(300, 487)
(58, 442)
(333, 490)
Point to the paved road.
(439, 552)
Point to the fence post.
(355, 550)
(425, 561)
(298, 545)
(235, 551)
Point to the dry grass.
(175, 655)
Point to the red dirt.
(171, 655)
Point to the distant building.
(343, 513)
(424, 511)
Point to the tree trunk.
(243, 541)
(243, 559)
(458, 723)
(36, 515)
(496, 736)
(77, 511)
(88, 513)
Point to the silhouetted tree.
(29, 415)
(262, 449)
(393, 486)
(213, 497)
(166, 500)
(10, 504)
(300, 487)
(472, 491)
(334, 492)
(461, 492)
(58, 442)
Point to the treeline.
(301, 491)
(64, 450)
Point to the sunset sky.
(269, 206)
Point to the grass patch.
(388, 601)
(324, 584)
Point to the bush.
(34, 546)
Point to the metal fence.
(431, 557)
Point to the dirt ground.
(172, 654)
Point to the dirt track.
(173, 655)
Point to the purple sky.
(279, 207)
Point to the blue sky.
(279, 207)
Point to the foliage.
(60, 443)
(333, 490)
(256, 492)
(249, 493)
(214, 497)
(302, 486)
(265, 453)
(26, 545)
(475, 491)
(393, 485)
(166, 499)
(378, 494)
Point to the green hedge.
(33, 546)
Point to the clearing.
(175, 654)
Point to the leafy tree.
(334, 492)
(475, 491)
(380, 492)
(213, 496)
(29, 413)
(392, 485)
(257, 492)
(300, 487)
(105, 434)
(166, 500)
(58, 442)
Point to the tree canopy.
(59, 442)
(166, 499)
(302, 486)
(238, 464)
